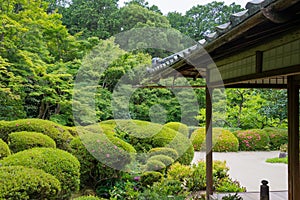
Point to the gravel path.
(249, 168)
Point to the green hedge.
(179, 127)
(19, 141)
(172, 153)
(64, 166)
(223, 140)
(4, 149)
(95, 152)
(18, 182)
(148, 178)
(144, 136)
(58, 133)
(277, 137)
(154, 165)
(162, 158)
(253, 140)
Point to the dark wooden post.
(293, 142)
(209, 156)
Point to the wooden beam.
(209, 156)
(293, 135)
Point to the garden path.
(249, 168)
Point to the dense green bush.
(162, 158)
(223, 140)
(194, 177)
(58, 133)
(154, 165)
(277, 137)
(96, 152)
(19, 141)
(64, 166)
(179, 127)
(144, 136)
(172, 153)
(4, 149)
(253, 140)
(148, 178)
(88, 198)
(18, 182)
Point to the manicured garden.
(116, 159)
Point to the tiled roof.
(252, 7)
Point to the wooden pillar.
(209, 156)
(293, 142)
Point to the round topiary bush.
(4, 149)
(253, 140)
(277, 137)
(96, 152)
(172, 153)
(179, 127)
(154, 165)
(223, 140)
(58, 133)
(19, 141)
(18, 182)
(162, 158)
(144, 136)
(148, 178)
(61, 164)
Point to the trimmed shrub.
(64, 166)
(18, 182)
(162, 158)
(88, 198)
(148, 178)
(277, 137)
(58, 133)
(72, 130)
(179, 127)
(223, 140)
(144, 136)
(4, 149)
(19, 141)
(95, 152)
(253, 140)
(154, 165)
(172, 153)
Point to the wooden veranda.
(258, 48)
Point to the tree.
(91, 18)
(202, 19)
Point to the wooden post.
(293, 135)
(209, 156)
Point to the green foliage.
(194, 177)
(277, 137)
(179, 127)
(88, 198)
(253, 140)
(166, 160)
(144, 136)
(223, 140)
(19, 141)
(150, 177)
(55, 131)
(154, 165)
(172, 153)
(95, 165)
(278, 160)
(18, 182)
(232, 197)
(64, 166)
(284, 148)
(4, 149)
(195, 25)
(227, 185)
